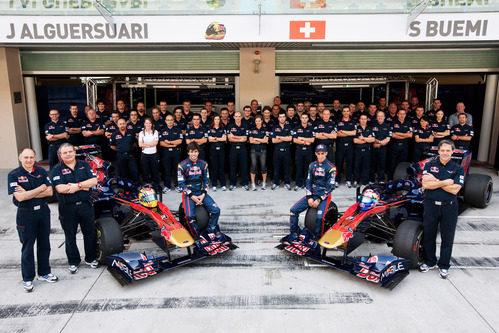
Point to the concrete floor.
(257, 288)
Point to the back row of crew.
(202, 129)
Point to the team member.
(237, 134)
(121, 108)
(382, 104)
(291, 118)
(254, 107)
(371, 115)
(56, 133)
(362, 142)
(462, 133)
(30, 186)
(92, 129)
(209, 109)
(157, 121)
(325, 132)
(101, 113)
(281, 138)
(453, 118)
(179, 119)
(401, 134)
(442, 180)
(113, 126)
(186, 107)
(303, 137)
(431, 113)
(141, 112)
(205, 120)
(170, 138)
(73, 124)
(423, 138)
(73, 180)
(134, 125)
(231, 108)
(163, 109)
(313, 116)
(440, 128)
(336, 113)
(382, 133)
(392, 114)
(193, 178)
(148, 141)
(122, 142)
(224, 117)
(217, 138)
(258, 138)
(197, 133)
(346, 130)
(247, 118)
(319, 185)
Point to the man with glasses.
(56, 133)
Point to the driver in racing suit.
(319, 185)
(193, 178)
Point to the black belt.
(172, 149)
(282, 149)
(400, 143)
(346, 144)
(442, 203)
(303, 147)
(237, 146)
(77, 203)
(34, 208)
(363, 149)
(218, 148)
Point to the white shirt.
(148, 137)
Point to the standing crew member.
(442, 180)
(148, 141)
(423, 138)
(56, 133)
(237, 134)
(382, 133)
(281, 138)
(170, 138)
(73, 124)
(217, 138)
(92, 129)
(346, 130)
(440, 128)
(194, 180)
(303, 137)
(197, 133)
(401, 134)
(258, 138)
(123, 142)
(325, 132)
(319, 185)
(73, 180)
(30, 186)
(462, 133)
(362, 142)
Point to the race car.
(391, 213)
(125, 211)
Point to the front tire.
(109, 238)
(330, 218)
(478, 190)
(202, 217)
(408, 242)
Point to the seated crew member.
(319, 185)
(194, 180)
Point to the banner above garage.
(250, 28)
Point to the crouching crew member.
(73, 180)
(442, 180)
(319, 185)
(462, 133)
(362, 142)
(194, 180)
(123, 143)
(30, 186)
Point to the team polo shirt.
(325, 127)
(462, 130)
(281, 131)
(62, 174)
(451, 170)
(346, 125)
(365, 132)
(28, 181)
(56, 128)
(398, 127)
(123, 142)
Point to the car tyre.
(478, 190)
(401, 171)
(408, 242)
(202, 217)
(109, 238)
(330, 218)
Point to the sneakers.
(178, 189)
(253, 187)
(50, 278)
(444, 273)
(246, 187)
(355, 184)
(297, 188)
(28, 286)
(73, 269)
(274, 186)
(214, 188)
(264, 186)
(166, 190)
(288, 187)
(336, 184)
(349, 184)
(224, 188)
(231, 188)
(425, 268)
(92, 264)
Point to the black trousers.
(217, 166)
(169, 162)
(418, 151)
(378, 164)
(238, 160)
(399, 153)
(362, 161)
(446, 216)
(150, 166)
(303, 158)
(52, 152)
(127, 166)
(282, 161)
(34, 226)
(344, 153)
(72, 215)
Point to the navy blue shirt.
(325, 127)
(248, 123)
(389, 119)
(170, 134)
(233, 129)
(371, 120)
(365, 132)
(293, 122)
(451, 170)
(462, 130)
(134, 128)
(56, 128)
(303, 132)
(73, 122)
(158, 124)
(398, 127)
(423, 133)
(440, 126)
(281, 131)
(320, 179)
(28, 181)
(62, 174)
(196, 133)
(123, 142)
(346, 125)
(217, 133)
(87, 125)
(103, 116)
(182, 124)
(193, 176)
(258, 133)
(381, 132)
(112, 127)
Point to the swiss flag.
(307, 29)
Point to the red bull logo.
(347, 235)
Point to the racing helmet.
(148, 197)
(215, 30)
(368, 200)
